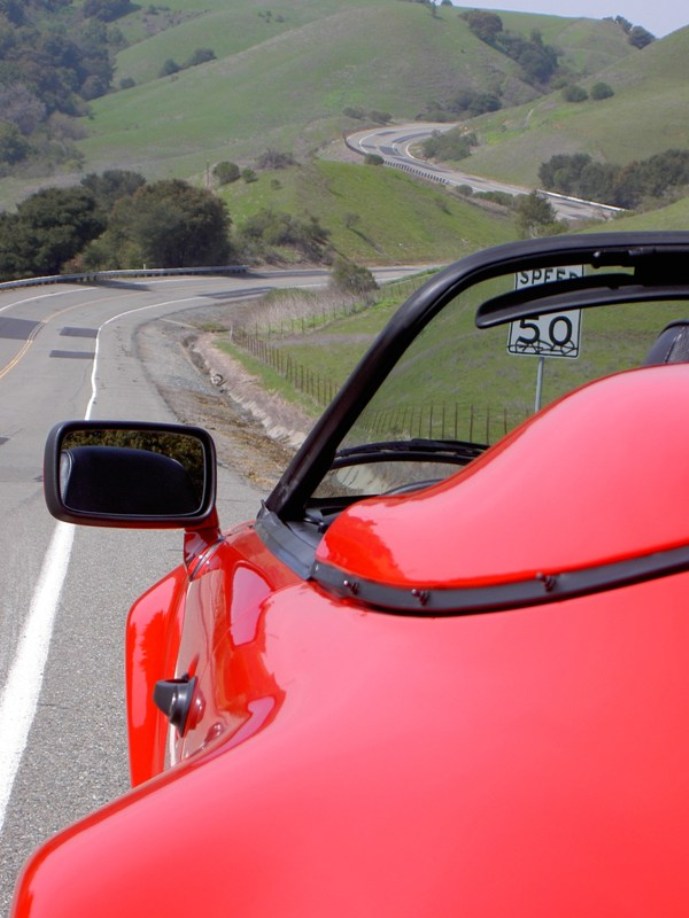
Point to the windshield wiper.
(456, 452)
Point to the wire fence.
(321, 389)
(443, 421)
(439, 420)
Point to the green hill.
(646, 115)
(283, 79)
(373, 215)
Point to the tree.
(455, 144)
(170, 224)
(112, 185)
(352, 278)
(562, 173)
(226, 172)
(107, 10)
(536, 216)
(601, 91)
(201, 56)
(169, 68)
(274, 159)
(50, 228)
(485, 26)
(473, 102)
(574, 93)
(269, 229)
(13, 147)
(640, 37)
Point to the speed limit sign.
(557, 334)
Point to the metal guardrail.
(92, 277)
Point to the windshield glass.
(459, 388)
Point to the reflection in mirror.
(132, 471)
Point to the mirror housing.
(131, 474)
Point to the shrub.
(226, 172)
(352, 278)
(574, 93)
(601, 91)
(169, 67)
(451, 145)
(274, 159)
(201, 56)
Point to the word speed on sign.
(557, 334)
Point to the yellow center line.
(25, 347)
(32, 337)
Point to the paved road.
(395, 145)
(69, 351)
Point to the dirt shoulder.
(256, 432)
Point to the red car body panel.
(217, 612)
(528, 762)
(584, 461)
(152, 639)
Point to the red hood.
(600, 476)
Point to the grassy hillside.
(646, 115)
(374, 215)
(283, 81)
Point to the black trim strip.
(517, 594)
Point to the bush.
(269, 229)
(226, 172)
(201, 56)
(536, 216)
(601, 91)
(373, 159)
(13, 147)
(169, 68)
(475, 103)
(574, 93)
(275, 159)
(351, 278)
(451, 145)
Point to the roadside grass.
(375, 215)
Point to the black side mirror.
(130, 474)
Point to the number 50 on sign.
(557, 334)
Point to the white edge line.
(20, 695)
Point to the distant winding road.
(394, 145)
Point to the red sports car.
(445, 671)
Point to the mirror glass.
(130, 471)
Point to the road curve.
(394, 144)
